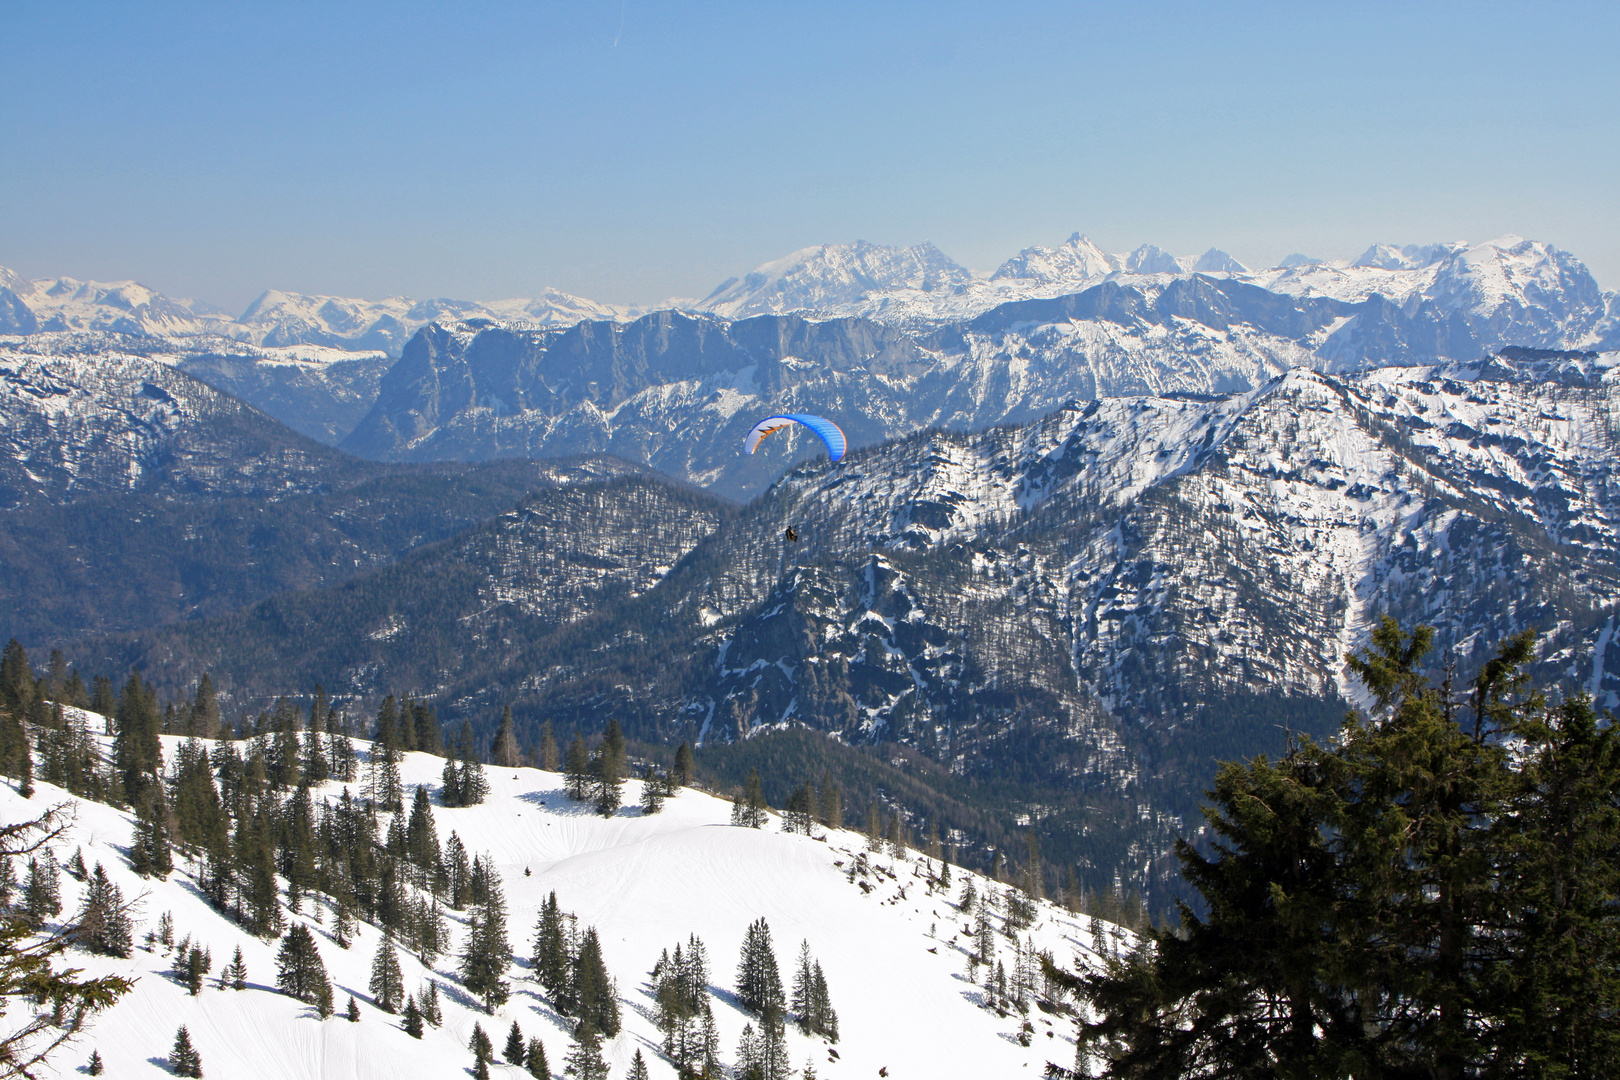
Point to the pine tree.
(550, 956)
(353, 1012)
(42, 893)
(548, 748)
(504, 749)
(535, 1059)
(608, 770)
(595, 996)
(427, 999)
(94, 1068)
(450, 784)
(387, 984)
(513, 1052)
(749, 1063)
(479, 1044)
(299, 970)
(585, 1059)
(183, 1058)
(470, 779)
(685, 770)
(150, 855)
(198, 964)
(104, 921)
(488, 954)
(652, 792)
(234, 976)
(638, 1068)
(411, 1021)
(759, 985)
(577, 771)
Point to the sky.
(629, 151)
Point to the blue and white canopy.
(829, 432)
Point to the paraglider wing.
(826, 430)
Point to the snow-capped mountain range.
(1498, 281)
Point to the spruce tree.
(685, 770)
(638, 1068)
(504, 749)
(42, 893)
(759, 984)
(548, 748)
(488, 954)
(427, 999)
(411, 1021)
(535, 1059)
(608, 770)
(653, 788)
(299, 970)
(585, 1059)
(595, 996)
(387, 984)
(482, 1049)
(353, 1011)
(94, 1067)
(183, 1058)
(513, 1052)
(234, 975)
(103, 922)
(550, 957)
(577, 770)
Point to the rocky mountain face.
(1083, 611)
(678, 391)
(132, 495)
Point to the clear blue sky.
(628, 150)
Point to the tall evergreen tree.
(104, 923)
(585, 1059)
(638, 1068)
(577, 770)
(411, 1020)
(608, 770)
(488, 954)
(548, 748)
(504, 749)
(535, 1059)
(183, 1058)
(234, 975)
(299, 970)
(685, 770)
(387, 981)
(551, 962)
(513, 1053)
(42, 891)
(595, 996)
(759, 982)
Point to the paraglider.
(828, 432)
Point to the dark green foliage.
(513, 1053)
(681, 989)
(685, 770)
(1415, 901)
(812, 1002)
(299, 970)
(585, 1058)
(183, 1058)
(748, 806)
(577, 769)
(504, 748)
(352, 1013)
(759, 982)
(535, 1059)
(42, 891)
(411, 1021)
(234, 975)
(594, 995)
(607, 771)
(104, 921)
(548, 748)
(94, 1067)
(387, 984)
(487, 954)
(638, 1068)
(550, 958)
(150, 854)
(198, 964)
(479, 1044)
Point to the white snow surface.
(894, 966)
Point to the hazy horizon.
(631, 152)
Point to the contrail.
(621, 24)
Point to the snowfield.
(892, 951)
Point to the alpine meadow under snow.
(894, 949)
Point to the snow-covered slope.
(124, 307)
(834, 277)
(892, 950)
